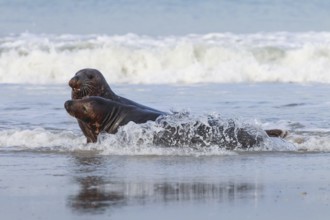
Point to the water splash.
(139, 139)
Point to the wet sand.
(251, 185)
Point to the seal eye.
(90, 76)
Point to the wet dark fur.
(99, 114)
(212, 133)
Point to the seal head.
(90, 82)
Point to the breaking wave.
(216, 58)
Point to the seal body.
(212, 132)
(99, 114)
(91, 82)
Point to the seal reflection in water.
(91, 82)
(101, 114)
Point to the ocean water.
(45, 161)
(162, 17)
(263, 64)
(34, 118)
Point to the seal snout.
(68, 104)
(73, 83)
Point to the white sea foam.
(66, 141)
(40, 139)
(219, 58)
(135, 139)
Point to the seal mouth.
(74, 84)
(77, 93)
(76, 89)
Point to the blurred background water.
(162, 17)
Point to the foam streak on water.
(216, 58)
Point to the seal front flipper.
(277, 133)
(88, 132)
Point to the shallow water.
(46, 163)
(34, 117)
